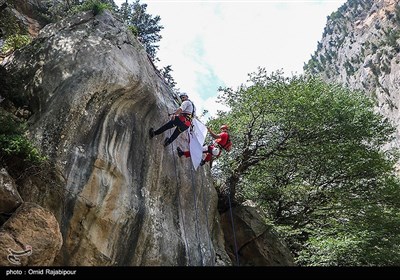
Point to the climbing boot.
(180, 152)
(151, 133)
(202, 162)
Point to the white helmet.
(215, 151)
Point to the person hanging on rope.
(181, 118)
(221, 141)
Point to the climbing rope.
(194, 194)
(233, 226)
(197, 219)
(177, 175)
(181, 211)
(208, 232)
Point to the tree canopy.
(146, 26)
(314, 156)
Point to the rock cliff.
(123, 199)
(360, 48)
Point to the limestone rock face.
(30, 237)
(9, 196)
(253, 243)
(126, 200)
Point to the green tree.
(14, 42)
(166, 74)
(57, 10)
(15, 147)
(310, 154)
(147, 26)
(359, 226)
(96, 6)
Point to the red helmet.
(224, 126)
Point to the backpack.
(228, 146)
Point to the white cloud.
(217, 43)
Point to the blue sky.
(212, 44)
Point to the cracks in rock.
(80, 22)
(251, 240)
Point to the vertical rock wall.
(126, 200)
